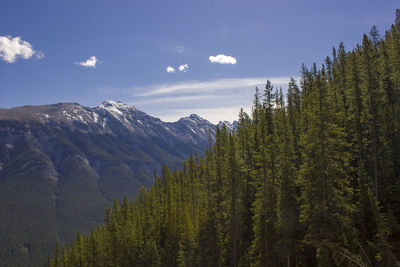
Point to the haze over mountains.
(61, 165)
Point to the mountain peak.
(116, 106)
(112, 102)
(196, 119)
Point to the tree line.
(311, 178)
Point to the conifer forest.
(309, 178)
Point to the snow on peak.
(196, 119)
(116, 106)
(194, 116)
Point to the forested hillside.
(309, 179)
(61, 165)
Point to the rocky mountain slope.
(55, 158)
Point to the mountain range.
(61, 165)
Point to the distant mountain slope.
(62, 164)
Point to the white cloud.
(170, 69)
(89, 63)
(222, 59)
(13, 48)
(172, 99)
(183, 67)
(207, 86)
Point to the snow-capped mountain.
(54, 158)
(113, 117)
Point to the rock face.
(61, 165)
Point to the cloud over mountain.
(215, 100)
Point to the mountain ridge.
(55, 158)
(109, 105)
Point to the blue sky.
(88, 51)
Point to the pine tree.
(288, 201)
(370, 88)
(326, 208)
(265, 203)
(294, 117)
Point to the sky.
(171, 58)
